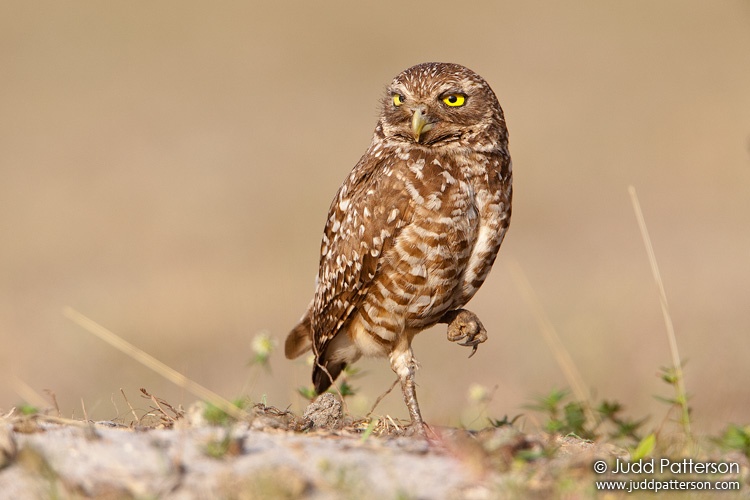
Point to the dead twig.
(159, 402)
(132, 410)
(380, 398)
(53, 397)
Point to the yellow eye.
(398, 99)
(454, 100)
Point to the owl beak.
(419, 124)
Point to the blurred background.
(166, 169)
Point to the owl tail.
(299, 340)
(324, 374)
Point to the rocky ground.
(275, 454)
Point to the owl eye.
(454, 100)
(398, 99)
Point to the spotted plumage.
(415, 228)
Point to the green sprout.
(262, 346)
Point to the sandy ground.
(276, 454)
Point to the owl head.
(442, 105)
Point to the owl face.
(439, 104)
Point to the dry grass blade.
(564, 360)
(676, 361)
(395, 425)
(160, 403)
(62, 420)
(53, 397)
(132, 410)
(151, 362)
(85, 413)
(28, 394)
(380, 398)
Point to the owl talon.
(472, 342)
(464, 325)
(418, 430)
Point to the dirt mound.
(275, 454)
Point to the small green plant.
(349, 374)
(27, 409)
(644, 449)
(562, 417)
(504, 422)
(672, 376)
(263, 345)
(307, 392)
(370, 427)
(611, 411)
(570, 417)
(226, 446)
(344, 388)
(736, 437)
(216, 416)
(217, 448)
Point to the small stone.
(325, 412)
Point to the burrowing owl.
(413, 231)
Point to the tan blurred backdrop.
(166, 168)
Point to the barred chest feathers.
(458, 210)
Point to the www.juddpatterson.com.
(664, 466)
(666, 485)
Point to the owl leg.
(464, 324)
(404, 364)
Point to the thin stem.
(676, 361)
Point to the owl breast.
(459, 213)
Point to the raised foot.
(465, 325)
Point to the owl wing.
(365, 218)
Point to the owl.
(414, 229)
